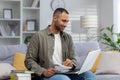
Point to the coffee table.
(20, 75)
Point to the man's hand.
(49, 72)
(68, 62)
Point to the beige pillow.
(109, 63)
(113, 51)
(18, 62)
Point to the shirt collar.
(50, 33)
(48, 30)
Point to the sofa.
(7, 53)
(81, 51)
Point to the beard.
(59, 27)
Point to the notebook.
(86, 66)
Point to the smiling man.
(52, 46)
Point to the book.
(35, 3)
(20, 75)
(22, 71)
(62, 68)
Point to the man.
(52, 46)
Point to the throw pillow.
(113, 51)
(109, 63)
(18, 62)
(94, 67)
(5, 70)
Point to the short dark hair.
(60, 10)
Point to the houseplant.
(107, 37)
(27, 40)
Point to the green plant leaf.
(107, 38)
(27, 39)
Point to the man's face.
(61, 21)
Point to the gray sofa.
(6, 58)
(81, 51)
(7, 52)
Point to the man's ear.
(55, 18)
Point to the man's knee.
(88, 76)
(58, 77)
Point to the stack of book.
(20, 75)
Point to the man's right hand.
(49, 72)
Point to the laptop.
(86, 66)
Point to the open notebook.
(86, 66)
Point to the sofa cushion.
(5, 70)
(18, 62)
(82, 49)
(109, 63)
(7, 52)
(98, 59)
(108, 77)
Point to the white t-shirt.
(57, 54)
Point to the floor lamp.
(90, 22)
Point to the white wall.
(117, 16)
(105, 11)
(45, 12)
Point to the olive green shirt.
(41, 48)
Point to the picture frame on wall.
(31, 24)
(7, 14)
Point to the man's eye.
(64, 20)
